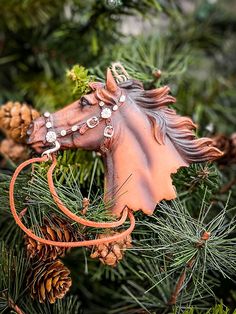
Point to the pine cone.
(60, 230)
(233, 148)
(49, 281)
(15, 119)
(228, 146)
(223, 143)
(111, 253)
(12, 150)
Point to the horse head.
(141, 139)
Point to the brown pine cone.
(228, 146)
(49, 281)
(223, 143)
(111, 253)
(233, 148)
(15, 119)
(60, 230)
(14, 151)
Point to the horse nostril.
(29, 133)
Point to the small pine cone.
(233, 148)
(111, 253)
(15, 119)
(223, 143)
(14, 151)
(49, 281)
(60, 230)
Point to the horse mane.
(165, 121)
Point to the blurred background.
(191, 42)
(189, 45)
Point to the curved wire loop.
(71, 215)
(32, 235)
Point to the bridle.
(52, 136)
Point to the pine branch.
(196, 181)
(13, 270)
(176, 257)
(15, 307)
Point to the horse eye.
(84, 102)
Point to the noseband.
(106, 114)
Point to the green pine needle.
(81, 79)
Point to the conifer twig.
(14, 307)
(22, 213)
(180, 282)
(173, 299)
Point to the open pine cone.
(49, 281)
(228, 146)
(15, 119)
(60, 230)
(233, 150)
(111, 253)
(12, 150)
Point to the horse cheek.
(91, 140)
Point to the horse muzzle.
(36, 134)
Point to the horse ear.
(95, 85)
(110, 82)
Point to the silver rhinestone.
(101, 103)
(51, 137)
(122, 98)
(46, 114)
(106, 113)
(48, 125)
(74, 128)
(63, 132)
(115, 107)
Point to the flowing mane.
(147, 120)
(165, 121)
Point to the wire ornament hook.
(119, 72)
(54, 149)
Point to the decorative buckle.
(109, 131)
(92, 122)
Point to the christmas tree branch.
(180, 283)
(14, 307)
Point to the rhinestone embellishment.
(106, 113)
(48, 125)
(122, 98)
(46, 114)
(74, 128)
(63, 132)
(51, 137)
(115, 107)
(101, 103)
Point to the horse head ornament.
(141, 139)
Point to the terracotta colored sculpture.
(142, 141)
